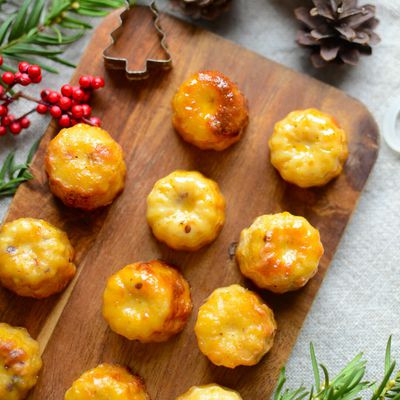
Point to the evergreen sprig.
(38, 30)
(348, 384)
(12, 175)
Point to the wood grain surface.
(73, 335)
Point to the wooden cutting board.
(72, 332)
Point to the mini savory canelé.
(308, 148)
(210, 392)
(107, 382)
(209, 111)
(20, 362)
(147, 301)
(234, 327)
(185, 210)
(85, 166)
(36, 258)
(279, 252)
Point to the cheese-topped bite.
(279, 252)
(209, 111)
(20, 362)
(210, 392)
(36, 258)
(107, 382)
(85, 166)
(234, 327)
(308, 148)
(186, 210)
(147, 301)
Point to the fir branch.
(39, 30)
(12, 175)
(348, 384)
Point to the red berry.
(78, 94)
(87, 96)
(3, 110)
(3, 129)
(55, 111)
(64, 121)
(1, 60)
(23, 66)
(53, 97)
(65, 103)
(66, 90)
(95, 121)
(85, 81)
(6, 120)
(17, 76)
(77, 111)
(8, 78)
(1, 91)
(38, 79)
(24, 80)
(25, 122)
(86, 110)
(15, 127)
(44, 94)
(41, 108)
(97, 82)
(34, 71)
(74, 121)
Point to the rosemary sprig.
(12, 175)
(39, 29)
(348, 384)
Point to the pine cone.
(337, 31)
(208, 9)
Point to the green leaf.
(32, 151)
(19, 25)
(388, 354)
(6, 165)
(315, 367)
(4, 28)
(35, 14)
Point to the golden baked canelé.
(107, 382)
(308, 148)
(85, 166)
(279, 252)
(210, 392)
(209, 111)
(234, 327)
(35, 258)
(20, 362)
(147, 301)
(185, 210)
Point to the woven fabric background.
(358, 305)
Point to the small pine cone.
(207, 9)
(338, 31)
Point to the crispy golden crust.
(149, 302)
(20, 362)
(234, 327)
(210, 392)
(185, 210)
(35, 258)
(279, 252)
(308, 148)
(107, 382)
(210, 111)
(85, 167)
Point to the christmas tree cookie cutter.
(121, 63)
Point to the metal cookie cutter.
(121, 63)
(391, 131)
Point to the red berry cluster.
(26, 75)
(70, 106)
